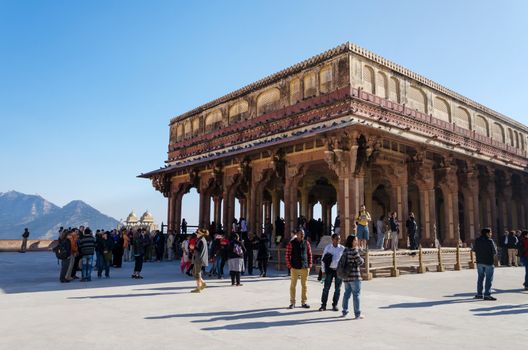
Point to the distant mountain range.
(43, 218)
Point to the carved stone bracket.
(161, 183)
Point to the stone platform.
(432, 310)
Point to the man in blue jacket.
(485, 251)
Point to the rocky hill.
(43, 218)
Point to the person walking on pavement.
(200, 259)
(299, 262)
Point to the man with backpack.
(331, 255)
(63, 253)
(86, 251)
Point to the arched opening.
(189, 212)
(381, 204)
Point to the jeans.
(329, 276)
(65, 264)
(524, 261)
(381, 239)
(484, 272)
(263, 267)
(103, 263)
(87, 261)
(413, 241)
(138, 265)
(218, 266)
(354, 288)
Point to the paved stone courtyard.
(434, 311)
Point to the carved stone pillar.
(293, 174)
(503, 195)
(449, 187)
(348, 160)
(202, 208)
(170, 211)
(471, 190)
(508, 198)
(491, 205)
(228, 203)
(304, 201)
(243, 206)
(177, 208)
(275, 210)
(350, 197)
(428, 210)
(400, 199)
(423, 175)
(328, 218)
(217, 209)
(267, 212)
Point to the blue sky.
(87, 88)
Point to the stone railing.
(391, 263)
(13, 245)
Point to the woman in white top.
(185, 260)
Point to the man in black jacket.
(412, 230)
(485, 251)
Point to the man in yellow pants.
(299, 262)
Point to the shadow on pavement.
(259, 314)
(284, 323)
(227, 316)
(122, 295)
(428, 303)
(208, 314)
(495, 291)
(501, 310)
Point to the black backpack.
(61, 250)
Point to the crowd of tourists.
(77, 247)
(206, 252)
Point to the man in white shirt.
(331, 255)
